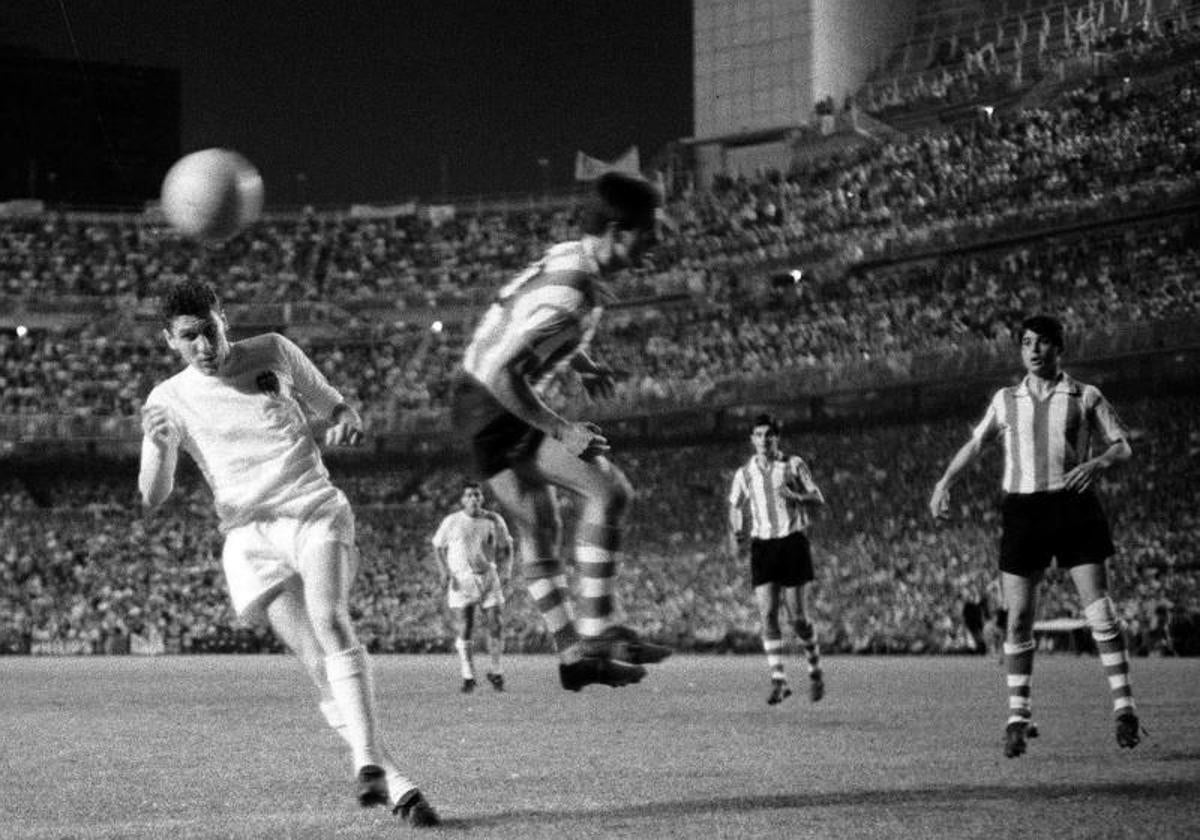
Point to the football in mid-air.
(212, 194)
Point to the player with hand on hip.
(1059, 436)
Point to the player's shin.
(1102, 618)
(547, 585)
(596, 558)
(1018, 658)
(350, 684)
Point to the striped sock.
(1018, 659)
(808, 638)
(547, 585)
(596, 559)
(1110, 642)
(773, 648)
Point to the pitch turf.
(231, 747)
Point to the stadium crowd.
(1099, 280)
(82, 571)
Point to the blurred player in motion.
(241, 411)
(1059, 436)
(544, 318)
(778, 490)
(474, 553)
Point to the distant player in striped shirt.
(1059, 435)
(778, 491)
(540, 321)
(474, 553)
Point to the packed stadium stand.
(870, 297)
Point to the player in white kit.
(241, 410)
(474, 552)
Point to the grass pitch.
(233, 747)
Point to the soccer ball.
(212, 194)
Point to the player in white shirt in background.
(241, 411)
(474, 552)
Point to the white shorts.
(483, 589)
(260, 558)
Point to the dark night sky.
(367, 96)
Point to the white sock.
(349, 682)
(463, 646)
(329, 708)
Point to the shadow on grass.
(943, 795)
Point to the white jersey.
(472, 543)
(547, 314)
(248, 432)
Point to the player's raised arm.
(160, 454)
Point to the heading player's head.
(1042, 345)
(196, 327)
(765, 435)
(472, 498)
(625, 211)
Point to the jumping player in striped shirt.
(541, 320)
(1059, 435)
(778, 490)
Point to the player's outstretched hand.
(600, 383)
(346, 430)
(939, 502)
(158, 426)
(583, 440)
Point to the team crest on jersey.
(268, 382)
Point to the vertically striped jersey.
(1044, 439)
(247, 430)
(541, 318)
(761, 486)
(472, 543)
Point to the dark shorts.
(786, 561)
(1064, 526)
(497, 437)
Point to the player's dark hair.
(1047, 326)
(627, 200)
(767, 420)
(472, 485)
(189, 297)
